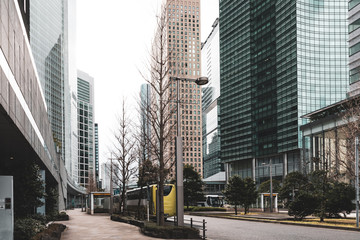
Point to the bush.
(205, 209)
(304, 205)
(59, 216)
(52, 232)
(170, 232)
(26, 228)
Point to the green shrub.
(61, 216)
(52, 232)
(26, 228)
(170, 232)
(208, 209)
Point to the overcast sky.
(113, 38)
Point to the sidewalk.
(83, 226)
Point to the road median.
(282, 218)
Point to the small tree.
(193, 186)
(303, 205)
(293, 183)
(265, 186)
(125, 155)
(147, 175)
(249, 194)
(340, 199)
(233, 191)
(91, 187)
(28, 188)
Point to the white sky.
(113, 38)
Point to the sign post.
(6, 208)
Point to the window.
(353, 3)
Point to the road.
(227, 229)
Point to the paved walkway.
(84, 226)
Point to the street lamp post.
(271, 186)
(271, 189)
(179, 152)
(357, 179)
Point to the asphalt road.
(227, 229)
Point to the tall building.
(210, 106)
(70, 89)
(184, 41)
(85, 106)
(47, 44)
(145, 98)
(278, 61)
(354, 47)
(96, 152)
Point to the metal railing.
(202, 226)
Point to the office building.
(96, 152)
(145, 100)
(47, 44)
(184, 42)
(70, 90)
(354, 47)
(278, 61)
(210, 108)
(85, 106)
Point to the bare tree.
(124, 154)
(337, 152)
(348, 133)
(92, 187)
(161, 110)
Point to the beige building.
(184, 42)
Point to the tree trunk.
(140, 197)
(235, 210)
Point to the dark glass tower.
(278, 61)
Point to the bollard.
(191, 222)
(204, 237)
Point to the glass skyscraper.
(278, 61)
(85, 106)
(210, 52)
(47, 44)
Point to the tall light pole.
(179, 151)
(111, 187)
(271, 187)
(357, 179)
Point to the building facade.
(145, 100)
(47, 44)
(96, 154)
(279, 60)
(85, 106)
(210, 108)
(184, 44)
(354, 47)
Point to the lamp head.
(202, 81)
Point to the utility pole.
(271, 189)
(111, 187)
(357, 179)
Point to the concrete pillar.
(92, 204)
(262, 202)
(285, 165)
(336, 152)
(253, 169)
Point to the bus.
(212, 201)
(149, 195)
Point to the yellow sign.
(101, 194)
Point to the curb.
(277, 221)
